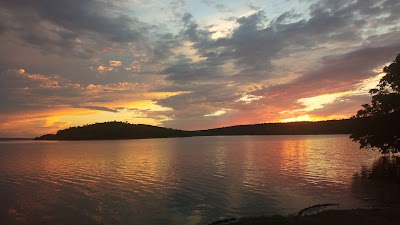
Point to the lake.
(194, 180)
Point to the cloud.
(102, 17)
(20, 90)
(345, 106)
(282, 60)
(115, 63)
(254, 45)
(70, 37)
(100, 55)
(336, 73)
(100, 108)
(23, 91)
(217, 5)
(102, 69)
(76, 27)
(199, 101)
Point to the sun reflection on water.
(174, 181)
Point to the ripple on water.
(162, 181)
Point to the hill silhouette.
(123, 130)
(345, 126)
(112, 131)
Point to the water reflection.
(175, 181)
(294, 155)
(379, 184)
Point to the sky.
(189, 64)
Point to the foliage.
(113, 131)
(345, 126)
(121, 130)
(381, 130)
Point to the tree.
(380, 127)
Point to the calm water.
(179, 180)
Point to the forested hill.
(346, 126)
(114, 130)
(121, 130)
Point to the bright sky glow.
(297, 119)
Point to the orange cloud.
(21, 71)
(115, 63)
(102, 69)
(65, 104)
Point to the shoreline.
(123, 130)
(359, 216)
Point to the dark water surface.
(182, 180)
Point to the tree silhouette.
(381, 129)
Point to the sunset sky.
(189, 64)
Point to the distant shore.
(122, 130)
(381, 216)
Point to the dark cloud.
(62, 26)
(21, 91)
(255, 45)
(200, 36)
(73, 38)
(383, 10)
(242, 48)
(286, 17)
(162, 48)
(201, 100)
(283, 59)
(102, 17)
(336, 73)
(186, 71)
(251, 46)
(353, 65)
